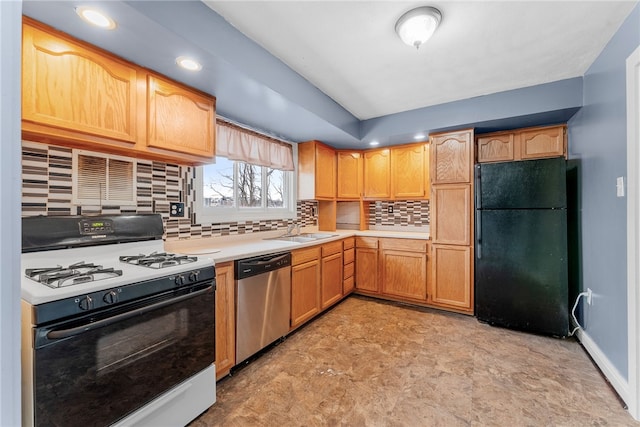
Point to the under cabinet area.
(225, 319)
(77, 95)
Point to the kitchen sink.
(317, 235)
(303, 237)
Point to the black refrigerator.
(521, 245)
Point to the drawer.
(347, 285)
(409, 245)
(349, 255)
(366, 242)
(349, 243)
(349, 270)
(305, 255)
(331, 248)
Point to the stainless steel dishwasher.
(263, 302)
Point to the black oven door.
(95, 370)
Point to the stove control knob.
(180, 280)
(86, 303)
(110, 297)
(193, 276)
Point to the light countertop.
(229, 248)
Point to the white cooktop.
(105, 255)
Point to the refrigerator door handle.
(478, 234)
(478, 188)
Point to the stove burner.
(158, 260)
(74, 274)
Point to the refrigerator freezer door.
(531, 184)
(521, 270)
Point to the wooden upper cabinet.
(410, 171)
(496, 148)
(377, 182)
(544, 142)
(75, 94)
(349, 174)
(179, 119)
(451, 206)
(68, 86)
(452, 157)
(522, 144)
(316, 171)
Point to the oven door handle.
(65, 333)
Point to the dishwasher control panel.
(262, 264)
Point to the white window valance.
(237, 143)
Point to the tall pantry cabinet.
(452, 158)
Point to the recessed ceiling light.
(188, 63)
(96, 17)
(419, 136)
(374, 143)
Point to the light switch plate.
(620, 186)
(176, 209)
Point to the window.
(103, 179)
(232, 190)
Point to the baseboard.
(610, 372)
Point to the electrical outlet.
(390, 209)
(589, 296)
(176, 209)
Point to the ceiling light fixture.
(419, 136)
(417, 25)
(188, 63)
(374, 143)
(95, 17)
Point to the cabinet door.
(225, 319)
(179, 119)
(331, 279)
(451, 157)
(451, 206)
(376, 174)
(349, 175)
(543, 142)
(404, 274)
(451, 284)
(496, 148)
(305, 292)
(325, 172)
(69, 86)
(367, 269)
(408, 172)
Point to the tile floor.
(372, 363)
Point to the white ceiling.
(349, 50)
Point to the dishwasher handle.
(263, 264)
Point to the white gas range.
(114, 324)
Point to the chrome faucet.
(291, 228)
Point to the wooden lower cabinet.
(305, 285)
(451, 282)
(331, 273)
(349, 268)
(367, 264)
(225, 319)
(403, 268)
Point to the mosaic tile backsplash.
(47, 185)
